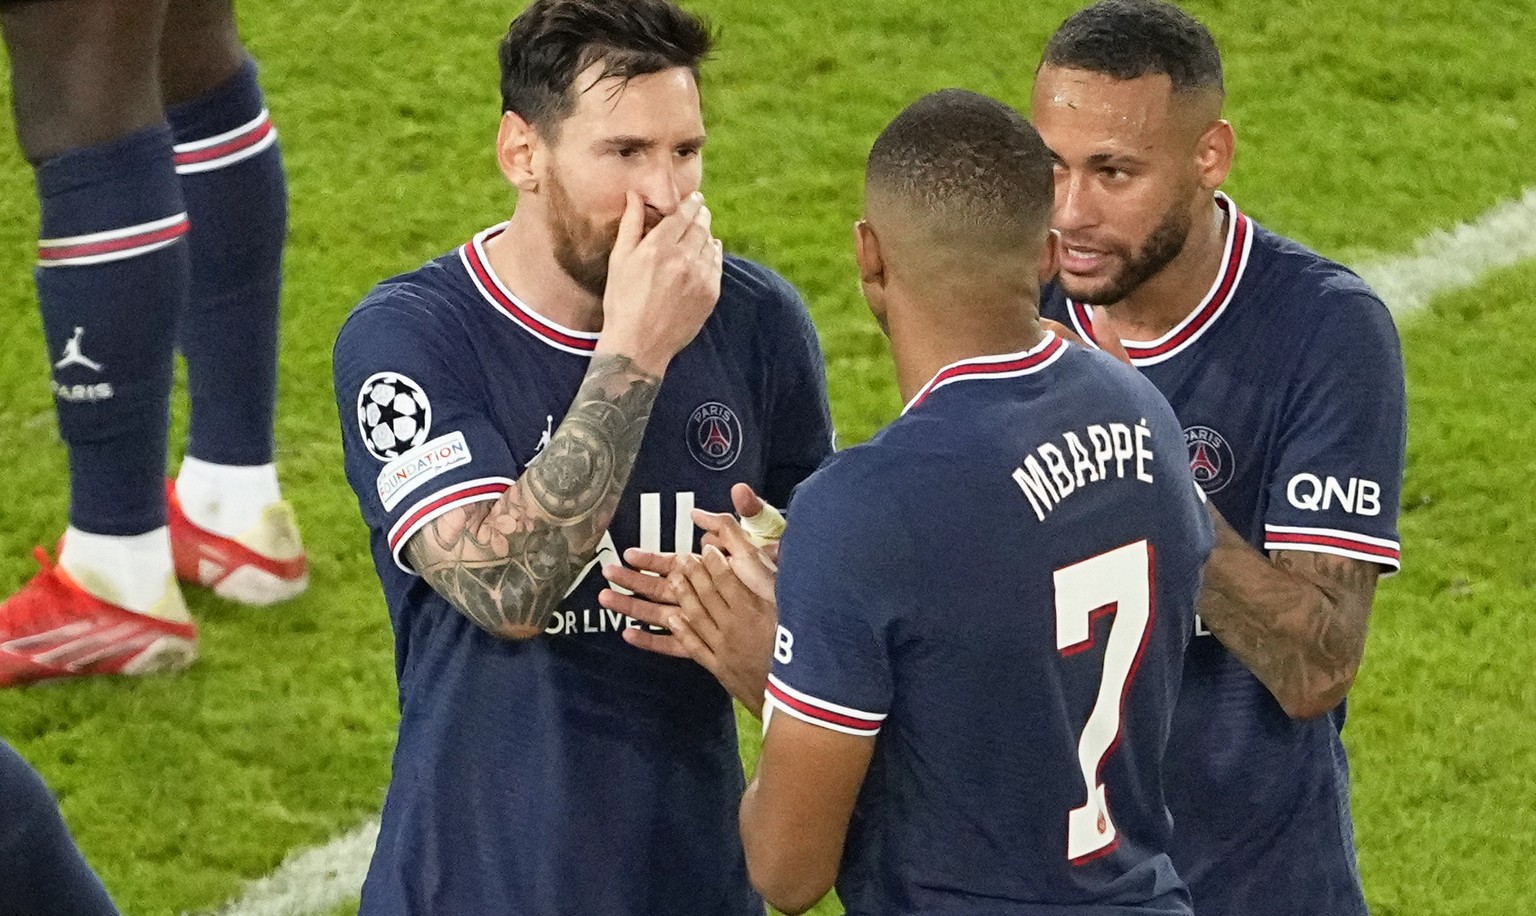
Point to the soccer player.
(42, 872)
(565, 385)
(982, 611)
(1286, 374)
(164, 210)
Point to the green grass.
(1362, 126)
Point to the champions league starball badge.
(1210, 458)
(714, 435)
(393, 414)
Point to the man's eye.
(628, 152)
(687, 152)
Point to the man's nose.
(660, 187)
(1075, 205)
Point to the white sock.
(226, 499)
(133, 571)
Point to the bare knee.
(199, 49)
(82, 71)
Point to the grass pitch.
(1361, 125)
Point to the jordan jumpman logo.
(73, 357)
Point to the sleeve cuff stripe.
(1385, 551)
(771, 704)
(1388, 558)
(427, 509)
(1364, 541)
(820, 712)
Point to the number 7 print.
(1117, 582)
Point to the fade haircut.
(971, 168)
(1127, 39)
(553, 41)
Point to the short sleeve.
(839, 592)
(801, 437)
(1339, 473)
(416, 439)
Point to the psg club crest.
(393, 414)
(714, 435)
(1210, 458)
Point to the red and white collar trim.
(1007, 365)
(1234, 261)
(472, 254)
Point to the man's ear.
(1214, 155)
(866, 251)
(517, 146)
(1050, 256)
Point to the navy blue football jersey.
(571, 773)
(1000, 586)
(1288, 380)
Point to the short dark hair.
(972, 163)
(1127, 39)
(552, 41)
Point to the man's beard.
(1162, 246)
(581, 248)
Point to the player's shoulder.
(415, 300)
(748, 285)
(1313, 288)
(745, 277)
(861, 483)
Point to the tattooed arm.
(506, 563)
(1297, 620)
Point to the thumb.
(746, 501)
(1106, 337)
(760, 521)
(632, 224)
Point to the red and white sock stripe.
(227, 148)
(113, 244)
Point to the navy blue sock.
(232, 176)
(112, 280)
(41, 870)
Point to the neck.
(927, 335)
(523, 258)
(1157, 306)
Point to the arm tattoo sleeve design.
(506, 564)
(1297, 621)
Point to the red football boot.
(53, 628)
(264, 565)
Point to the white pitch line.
(320, 879)
(1449, 260)
(313, 881)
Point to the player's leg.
(112, 279)
(41, 870)
(229, 525)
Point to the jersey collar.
(1234, 261)
(1006, 365)
(472, 254)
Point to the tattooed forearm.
(506, 564)
(1297, 621)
